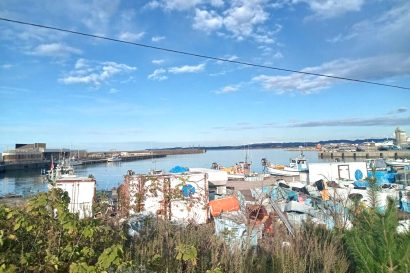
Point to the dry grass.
(311, 250)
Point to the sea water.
(111, 174)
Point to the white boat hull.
(283, 172)
(397, 163)
(113, 159)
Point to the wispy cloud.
(399, 110)
(157, 39)
(97, 15)
(390, 25)
(54, 50)
(331, 8)
(158, 75)
(373, 68)
(377, 121)
(178, 5)
(228, 89)
(86, 72)
(158, 61)
(228, 57)
(130, 36)
(187, 69)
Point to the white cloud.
(80, 64)
(97, 15)
(238, 19)
(341, 38)
(157, 39)
(131, 37)
(152, 5)
(158, 61)
(173, 4)
(181, 5)
(158, 75)
(332, 8)
(187, 69)
(97, 74)
(243, 16)
(228, 89)
(54, 50)
(391, 25)
(217, 3)
(229, 58)
(278, 55)
(373, 68)
(207, 20)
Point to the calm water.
(110, 175)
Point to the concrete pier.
(365, 154)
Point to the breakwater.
(101, 157)
(364, 154)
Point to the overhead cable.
(199, 55)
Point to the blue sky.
(69, 90)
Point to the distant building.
(35, 152)
(34, 146)
(401, 137)
(24, 153)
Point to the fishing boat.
(75, 161)
(114, 159)
(81, 190)
(295, 167)
(398, 162)
(238, 171)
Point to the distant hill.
(284, 144)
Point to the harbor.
(247, 200)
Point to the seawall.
(365, 154)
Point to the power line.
(199, 55)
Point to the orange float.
(225, 204)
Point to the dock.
(24, 165)
(364, 154)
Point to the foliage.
(374, 243)
(45, 237)
(373, 189)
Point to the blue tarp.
(361, 184)
(179, 169)
(383, 177)
(188, 190)
(235, 233)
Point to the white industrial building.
(336, 171)
(81, 191)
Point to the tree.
(374, 243)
